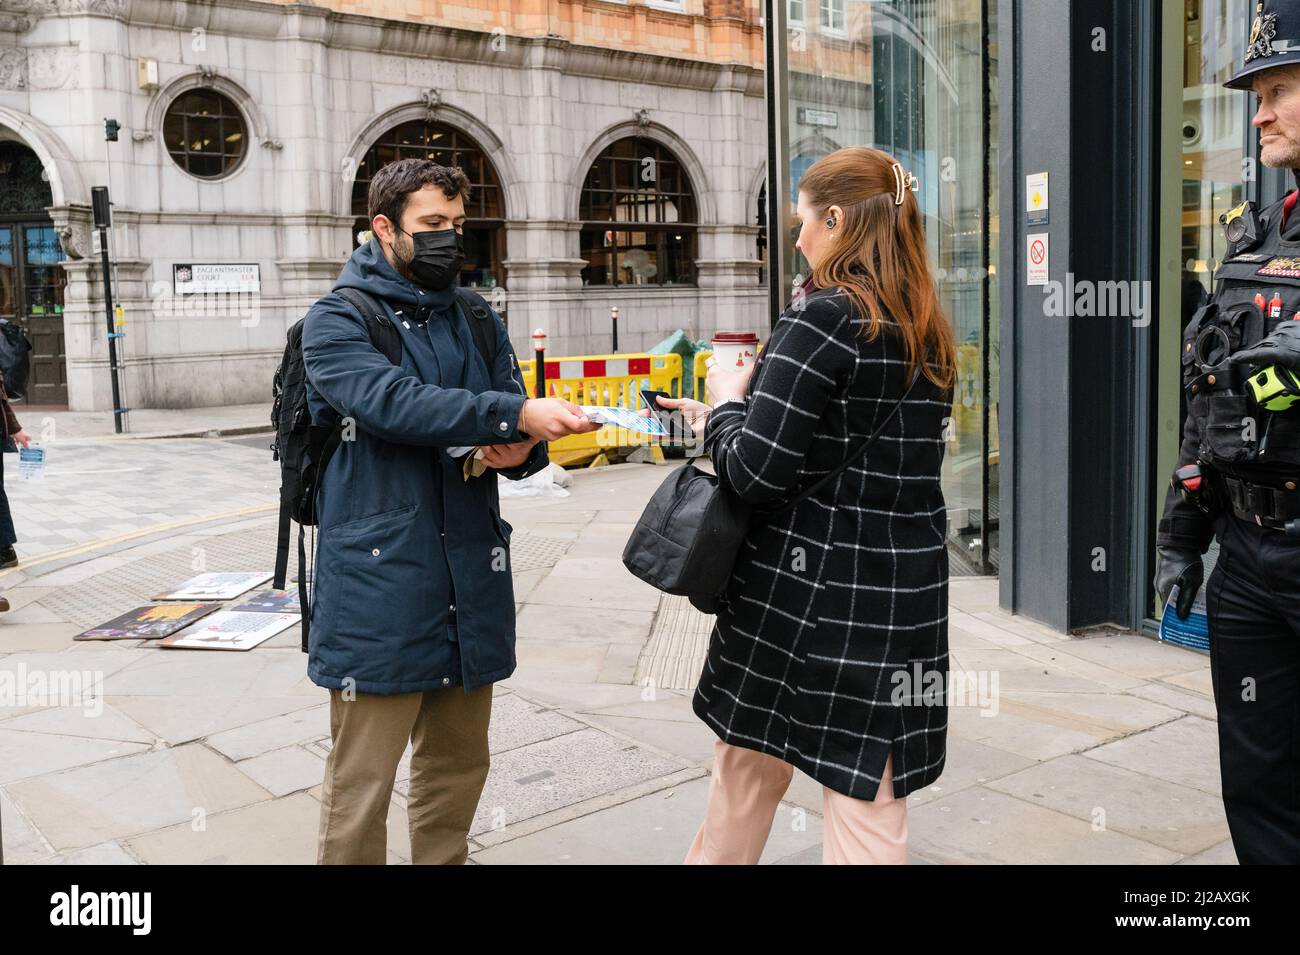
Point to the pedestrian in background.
(833, 602)
(8, 536)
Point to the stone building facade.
(618, 151)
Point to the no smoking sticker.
(1036, 258)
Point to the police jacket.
(1226, 431)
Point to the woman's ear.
(834, 217)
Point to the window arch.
(484, 209)
(639, 219)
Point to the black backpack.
(304, 447)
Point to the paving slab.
(1185, 701)
(518, 722)
(1135, 655)
(553, 773)
(50, 637)
(1222, 854)
(22, 843)
(655, 829)
(574, 660)
(24, 755)
(102, 722)
(284, 771)
(107, 853)
(256, 673)
(83, 807)
(1104, 715)
(1181, 819)
(275, 832)
(980, 826)
(1185, 751)
(1198, 681)
(592, 624)
(692, 741)
(254, 739)
(1027, 736)
(624, 593)
(969, 763)
(182, 719)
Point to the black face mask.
(436, 258)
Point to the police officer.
(1238, 474)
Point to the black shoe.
(8, 557)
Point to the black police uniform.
(1251, 490)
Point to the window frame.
(613, 189)
(231, 110)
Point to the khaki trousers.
(448, 732)
(743, 796)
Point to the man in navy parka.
(413, 614)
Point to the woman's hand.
(695, 413)
(22, 438)
(727, 384)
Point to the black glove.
(1181, 567)
(1280, 348)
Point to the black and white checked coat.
(831, 601)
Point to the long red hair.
(879, 258)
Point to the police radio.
(1276, 387)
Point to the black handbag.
(687, 538)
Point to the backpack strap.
(282, 546)
(304, 606)
(383, 333)
(324, 438)
(481, 325)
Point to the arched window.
(32, 282)
(205, 133)
(638, 217)
(485, 215)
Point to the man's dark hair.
(393, 183)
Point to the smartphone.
(648, 395)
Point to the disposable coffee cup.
(735, 350)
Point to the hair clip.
(903, 180)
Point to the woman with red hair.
(830, 653)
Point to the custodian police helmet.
(1274, 40)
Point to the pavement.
(1092, 749)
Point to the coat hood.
(368, 270)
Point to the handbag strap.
(855, 455)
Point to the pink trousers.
(743, 797)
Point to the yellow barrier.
(609, 380)
(698, 372)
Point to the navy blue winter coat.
(412, 572)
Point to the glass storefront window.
(1213, 123)
(1207, 159)
(912, 78)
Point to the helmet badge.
(1262, 33)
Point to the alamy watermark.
(21, 687)
(1087, 299)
